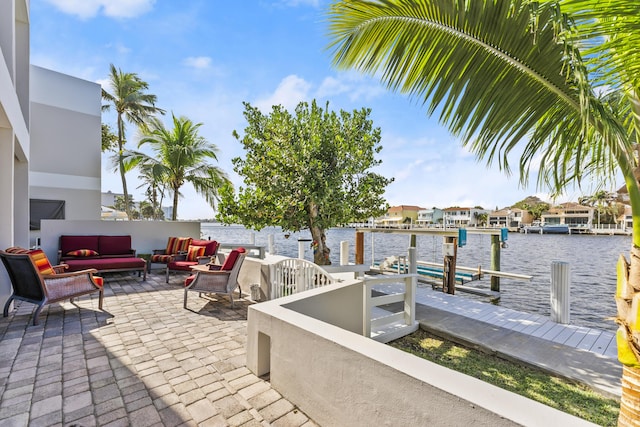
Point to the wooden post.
(495, 262)
(360, 247)
(449, 270)
(412, 243)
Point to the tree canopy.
(307, 170)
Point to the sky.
(204, 58)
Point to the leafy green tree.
(534, 206)
(109, 139)
(146, 210)
(308, 170)
(131, 103)
(603, 201)
(559, 80)
(181, 155)
(119, 203)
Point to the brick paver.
(143, 361)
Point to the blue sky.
(203, 58)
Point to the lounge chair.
(222, 280)
(198, 252)
(34, 280)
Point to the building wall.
(14, 129)
(65, 143)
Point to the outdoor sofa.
(106, 254)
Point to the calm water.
(592, 260)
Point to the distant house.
(570, 213)
(626, 218)
(428, 217)
(509, 217)
(398, 216)
(463, 217)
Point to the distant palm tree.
(131, 103)
(181, 156)
(153, 179)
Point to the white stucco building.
(49, 138)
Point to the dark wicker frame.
(31, 286)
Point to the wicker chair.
(223, 280)
(30, 285)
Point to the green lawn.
(572, 398)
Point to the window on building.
(40, 209)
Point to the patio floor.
(143, 361)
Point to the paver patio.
(143, 361)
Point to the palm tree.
(131, 103)
(181, 156)
(151, 175)
(557, 79)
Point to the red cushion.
(114, 245)
(71, 243)
(181, 265)
(231, 259)
(189, 279)
(76, 264)
(211, 246)
(99, 280)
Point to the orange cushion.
(177, 244)
(194, 252)
(83, 252)
(41, 261)
(99, 280)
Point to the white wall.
(145, 235)
(338, 377)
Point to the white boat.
(539, 228)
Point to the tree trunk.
(321, 252)
(121, 165)
(628, 337)
(174, 214)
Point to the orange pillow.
(41, 261)
(83, 252)
(193, 252)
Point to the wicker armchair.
(221, 281)
(30, 285)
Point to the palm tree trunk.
(174, 213)
(121, 165)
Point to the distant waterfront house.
(428, 217)
(509, 217)
(398, 216)
(463, 217)
(626, 218)
(570, 213)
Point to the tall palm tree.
(131, 103)
(181, 156)
(516, 73)
(151, 176)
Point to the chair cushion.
(189, 279)
(41, 261)
(181, 265)
(83, 253)
(211, 246)
(177, 244)
(99, 280)
(193, 252)
(164, 259)
(114, 245)
(231, 259)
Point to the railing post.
(495, 262)
(366, 309)
(344, 252)
(359, 247)
(410, 289)
(270, 244)
(560, 286)
(252, 238)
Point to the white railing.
(294, 275)
(383, 325)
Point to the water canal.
(592, 260)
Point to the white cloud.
(199, 62)
(290, 92)
(85, 9)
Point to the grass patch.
(572, 398)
